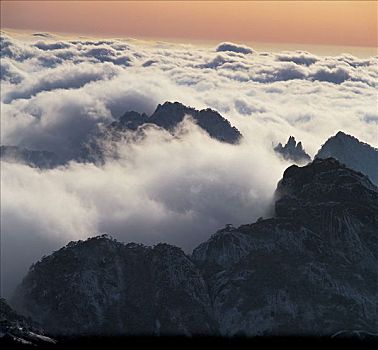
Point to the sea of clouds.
(56, 92)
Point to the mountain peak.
(169, 114)
(103, 287)
(322, 180)
(293, 151)
(291, 141)
(169, 104)
(277, 276)
(353, 153)
(295, 273)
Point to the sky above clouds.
(343, 23)
(55, 92)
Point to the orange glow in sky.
(346, 23)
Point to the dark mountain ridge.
(131, 125)
(353, 153)
(19, 330)
(170, 114)
(104, 287)
(309, 270)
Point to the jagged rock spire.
(293, 151)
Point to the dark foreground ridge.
(308, 271)
(122, 342)
(19, 330)
(174, 341)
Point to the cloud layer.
(56, 92)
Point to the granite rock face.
(353, 153)
(309, 270)
(103, 287)
(19, 330)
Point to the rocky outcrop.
(19, 330)
(309, 270)
(103, 287)
(293, 151)
(132, 127)
(353, 153)
(170, 114)
(101, 141)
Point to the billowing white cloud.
(68, 76)
(56, 93)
